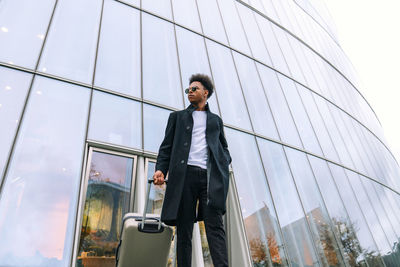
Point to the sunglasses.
(193, 89)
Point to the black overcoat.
(173, 155)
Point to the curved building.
(86, 87)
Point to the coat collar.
(192, 108)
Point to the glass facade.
(86, 88)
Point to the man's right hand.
(158, 178)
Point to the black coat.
(173, 155)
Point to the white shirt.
(198, 153)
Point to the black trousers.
(195, 188)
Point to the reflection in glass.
(160, 62)
(204, 245)
(157, 192)
(40, 192)
(193, 59)
(71, 44)
(211, 20)
(24, 24)
(315, 209)
(280, 110)
(260, 220)
(115, 120)
(107, 200)
(155, 120)
(288, 207)
(14, 86)
(368, 249)
(118, 59)
(257, 103)
(230, 96)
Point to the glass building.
(86, 87)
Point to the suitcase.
(145, 240)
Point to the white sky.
(369, 33)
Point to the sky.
(369, 33)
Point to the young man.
(195, 153)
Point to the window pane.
(41, 189)
(71, 45)
(160, 62)
(115, 120)
(300, 115)
(260, 220)
(233, 26)
(343, 227)
(155, 120)
(369, 251)
(193, 59)
(118, 60)
(253, 34)
(107, 201)
(23, 27)
(159, 7)
(185, 13)
(257, 103)
(314, 207)
(211, 20)
(290, 213)
(14, 86)
(280, 110)
(231, 102)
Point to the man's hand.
(158, 178)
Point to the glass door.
(108, 195)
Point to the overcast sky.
(369, 33)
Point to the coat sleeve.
(164, 152)
(223, 141)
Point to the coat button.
(182, 161)
(185, 144)
(187, 127)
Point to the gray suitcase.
(145, 241)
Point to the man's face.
(199, 95)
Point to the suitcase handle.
(141, 225)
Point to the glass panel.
(14, 86)
(107, 200)
(280, 110)
(71, 45)
(318, 124)
(272, 44)
(118, 60)
(185, 13)
(315, 209)
(231, 102)
(290, 213)
(343, 227)
(369, 212)
(193, 59)
(159, 7)
(392, 211)
(257, 103)
(204, 245)
(154, 120)
(256, 41)
(260, 220)
(115, 120)
(160, 62)
(300, 116)
(211, 20)
(369, 251)
(233, 26)
(23, 27)
(47, 159)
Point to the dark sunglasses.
(193, 89)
